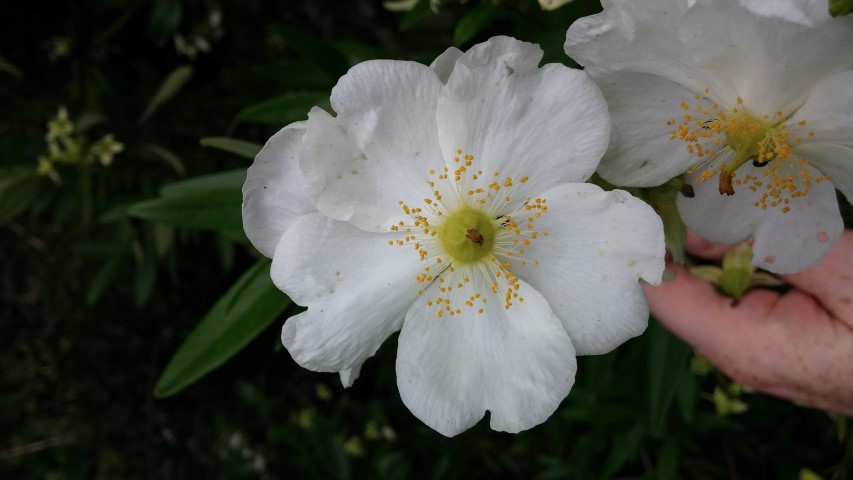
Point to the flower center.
(467, 234)
(724, 140)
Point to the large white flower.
(443, 201)
(752, 99)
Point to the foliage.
(123, 245)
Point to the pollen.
(725, 140)
(472, 230)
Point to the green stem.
(85, 194)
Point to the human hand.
(797, 345)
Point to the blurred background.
(126, 128)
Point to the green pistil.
(745, 136)
(467, 235)
(746, 141)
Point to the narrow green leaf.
(164, 20)
(235, 235)
(356, 52)
(667, 464)
(315, 51)
(473, 23)
(231, 179)
(415, 15)
(296, 74)
(232, 145)
(675, 232)
(8, 67)
(167, 156)
(226, 253)
(129, 11)
(102, 280)
(170, 86)
(399, 5)
(667, 360)
(280, 111)
(248, 307)
(163, 237)
(17, 192)
(217, 209)
(838, 8)
(686, 395)
(625, 446)
(87, 120)
(144, 278)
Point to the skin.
(798, 345)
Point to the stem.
(85, 194)
(847, 442)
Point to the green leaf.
(625, 447)
(399, 5)
(675, 232)
(248, 307)
(359, 52)
(737, 270)
(163, 236)
(168, 89)
(8, 67)
(415, 15)
(315, 51)
(167, 156)
(296, 74)
(838, 8)
(217, 209)
(164, 20)
(667, 360)
(667, 464)
(144, 278)
(232, 179)
(87, 120)
(17, 192)
(103, 280)
(280, 111)
(232, 145)
(473, 23)
(686, 395)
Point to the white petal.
(716, 217)
(828, 112)
(789, 244)
(771, 62)
(641, 152)
(350, 375)
(274, 193)
(357, 289)
(444, 63)
(519, 364)
(807, 12)
(599, 245)
(379, 148)
(638, 36)
(784, 242)
(505, 51)
(548, 124)
(833, 160)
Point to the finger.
(784, 345)
(694, 311)
(813, 356)
(831, 281)
(698, 246)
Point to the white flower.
(549, 5)
(443, 202)
(752, 99)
